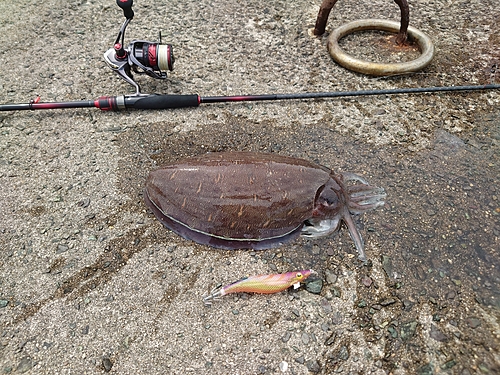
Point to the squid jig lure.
(265, 284)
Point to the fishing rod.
(156, 101)
(154, 58)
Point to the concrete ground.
(90, 282)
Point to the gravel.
(90, 282)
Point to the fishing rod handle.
(116, 103)
(162, 101)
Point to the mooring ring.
(379, 69)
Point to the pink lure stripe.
(266, 284)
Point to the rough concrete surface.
(90, 282)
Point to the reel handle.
(126, 5)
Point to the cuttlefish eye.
(330, 197)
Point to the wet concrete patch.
(436, 233)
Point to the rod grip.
(163, 101)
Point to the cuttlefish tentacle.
(359, 198)
(355, 235)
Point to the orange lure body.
(265, 284)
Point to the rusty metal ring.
(378, 69)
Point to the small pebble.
(484, 368)
(448, 365)
(313, 366)
(473, 322)
(283, 366)
(425, 370)
(84, 203)
(316, 250)
(107, 364)
(286, 337)
(85, 330)
(331, 278)
(388, 301)
(408, 330)
(314, 286)
(437, 335)
(408, 305)
(46, 345)
(327, 308)
(331, 339)
(392, 330)
(25, 365)
(61, 249)
(387, 266)
(335, 292)
(337, 318)
(305, 338)
(367, 281)
(343, 353)
(300, 360)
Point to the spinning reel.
(141, 56)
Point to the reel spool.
(141, 56)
